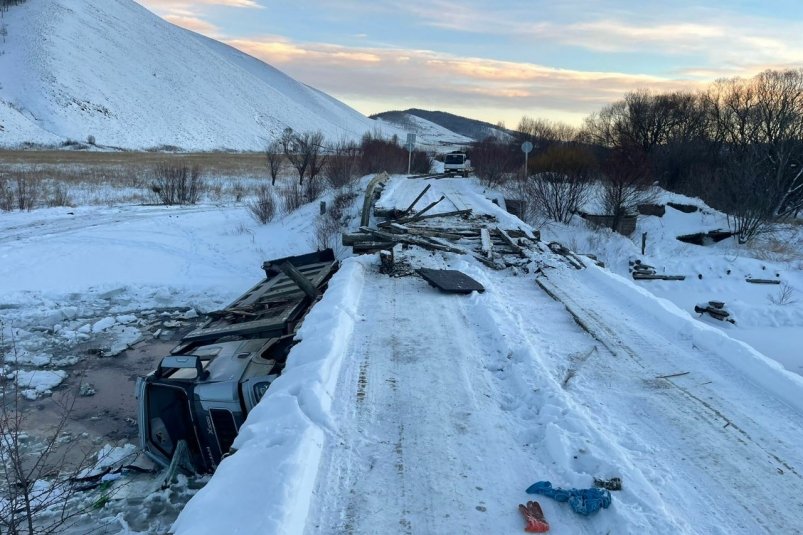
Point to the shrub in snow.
(785, 295)
(292, 197)
(342, 165)
(263, 207)
(175, 183)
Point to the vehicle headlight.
(260, 389)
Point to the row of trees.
(342, 161)
(738, 145)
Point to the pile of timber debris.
(458, 231)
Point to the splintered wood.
(459, 231)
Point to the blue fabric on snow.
(582, 501)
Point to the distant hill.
(113, 70)
(430, 136)
(470, 128)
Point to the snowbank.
(267, 485)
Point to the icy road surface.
(406, 410)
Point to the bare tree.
(342, 165)
(274, 156)
(542, 130)
(303, 151)
(318, 158)
(561, 184)
(493, 161)
(625, 183)
(37, 484)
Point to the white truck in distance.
(455, 163)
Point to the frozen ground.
(80, 286)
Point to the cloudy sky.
(497, 60)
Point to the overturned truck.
(192, 406)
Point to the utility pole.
(410, 146)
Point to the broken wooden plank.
(438, 241)
(433, 233)
(430, 216)
(412, 240)
(398, 229)
(510, 243)
(410, 208)
(371, 246)
(419, 215)
(649, 276)
(487, 244)
(457, 200)
(527, 233)
(354, 239)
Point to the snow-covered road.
(406, 410)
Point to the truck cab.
(454, 163)
(200, 394)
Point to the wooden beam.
(487, 244)
(420, 213)
(303, 282)
(371, 246)
(647, 276)
(410, 208)
(430, 216)
(510, 243)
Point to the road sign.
(526, 148)
(410, 139)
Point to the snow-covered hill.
(113, 70)
(429, 135)
(456, 126)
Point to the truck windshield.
(454, 158)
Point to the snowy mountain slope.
(429, 134)
(113, 70)
(413, 411)
(462, 126)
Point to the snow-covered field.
(403, 409)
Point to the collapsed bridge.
(408, 409)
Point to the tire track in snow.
(714, 449)
(425, 446)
